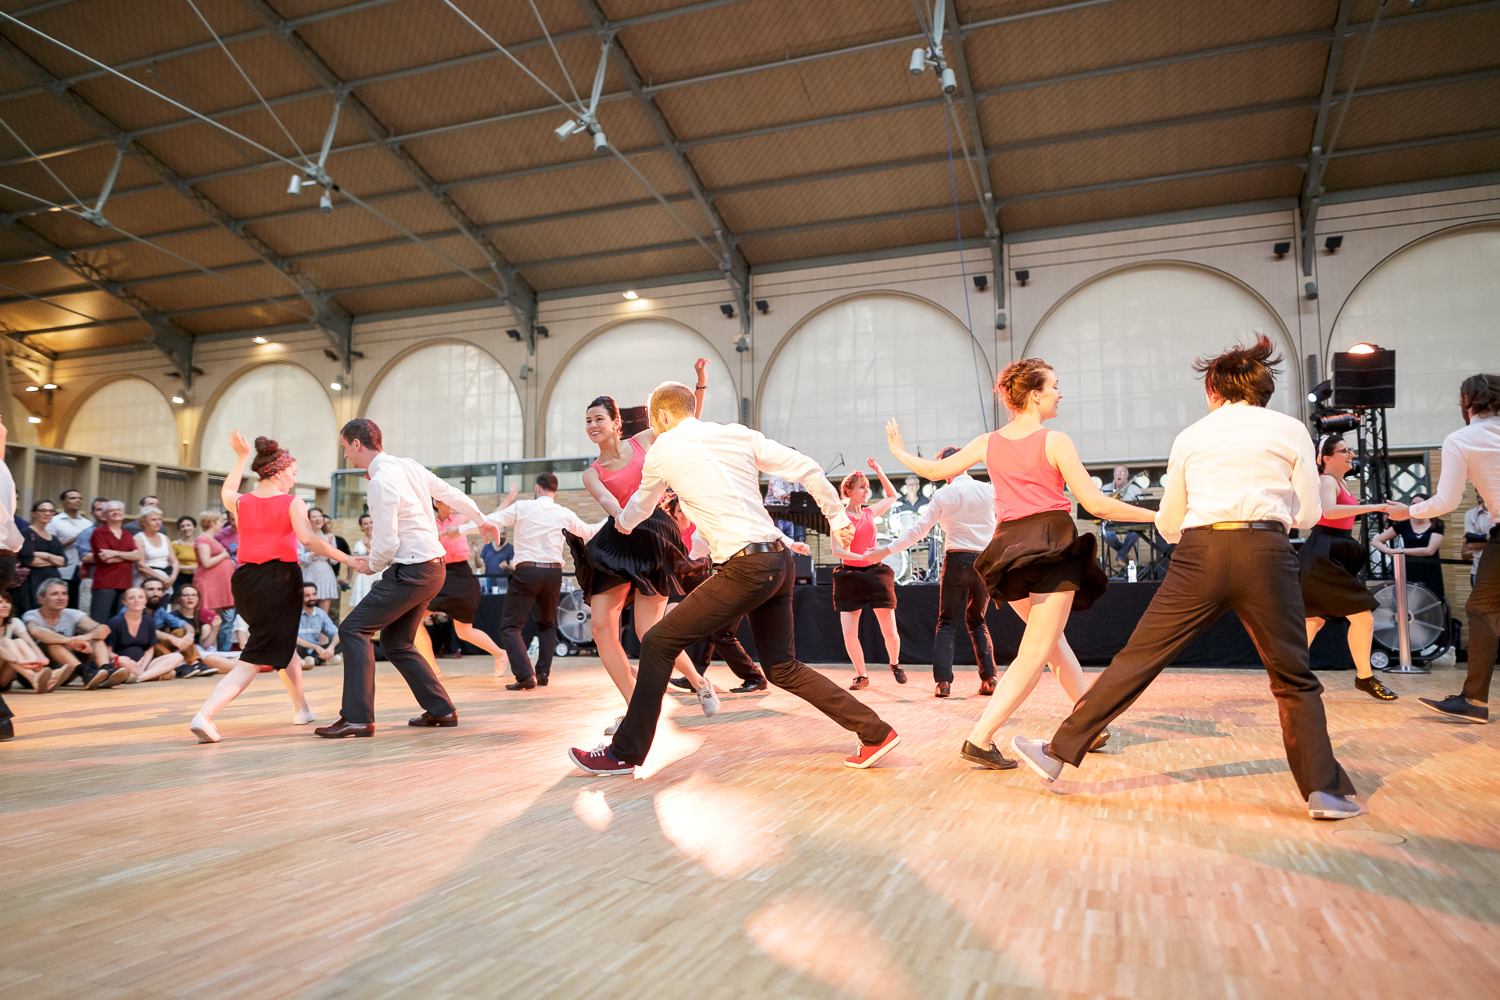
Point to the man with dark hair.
(148, 500)
(965, 510)
(84, 547)
(66, 525)
(536, 529)
(1472, 454)
(1236, 481)
(405, 539)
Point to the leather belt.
(1240, 526)
(6, 552)
(537, 565)
(758, 547)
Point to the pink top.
(623, 484)
(266, 529)
(1025, 482)
(455, 549)
(1345, 499)
(864, 536)
(213, 581)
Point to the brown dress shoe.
(943, 689)
(343, 728)
(428, 719)
(986, 685)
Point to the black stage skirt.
(1041, 554)
(646, 559)
(459, 598)
(269, 597)
(858, 587)
(1327, 564)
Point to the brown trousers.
(1483, 611)
(163, 647)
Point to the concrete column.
(86, 478)
(143, 484)
(197, 491)
(23, 471)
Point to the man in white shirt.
(405, 539)
(1236, 481)
(715, 471)
(66, 525)
(965, 510)
(10, 543)
(536, 529)
(1472, 454)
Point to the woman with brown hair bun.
(860, 583)
(1037, 562)
(267, 585)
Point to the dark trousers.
(1483, 610)
(105, 604)
(531, 587)
(7, 577)
(962, 593)
(758, 585)
(394, 607)
(1254, 573)
(726, 643)
(73, 586)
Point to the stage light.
(336, 386)
(950, 82)
(33, 420)
(1364, 377)
(1282, 249)
(918, 61)
(1333, 243)
(601, 144)
(763, 306)
(513, 334)
(325, 203)
(1023, 277)
(1310, 290)
(541, 331)
(1364, 349)
(630, 296)
(742, 344)
(727, 310)
(257, 340)
(1336, 423)
(981, 281)
(566, 129)
(295, 187)
(33, 388)
(1000, 320)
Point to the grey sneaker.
(708, 700)
(1034, 755)
(614, 727)
(1322, 805)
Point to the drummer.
(861, 582)
(905, 514)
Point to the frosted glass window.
(1124, 344)
(282, 402)
(1434, 304)
(448, 404)
(857, 363)
(128, 418)
(627, 362)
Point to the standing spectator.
(497, 565)
(174, 634)
(1420, 538)
(66, 634)
(158, 561)
(66, 526)
(317, 635)
(318, 569)
(133, 637)
(24, 551)
(1477, 526)
(10, 541)
(184, 550)
(115, 555)
(83, 545)
(363, 581)
(47, 556)
(20, 657)
(215, 568)
(146, 501)
(229, 535)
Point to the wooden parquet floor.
(747, 862)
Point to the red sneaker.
(598, 761)
(866, 756)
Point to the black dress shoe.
(7, 730)
(751, 686)
(428, 719)
(343, 728)
(681, 682)
(986, 685)
(541, 679)
(522, 684)
(1372, 687)
(898, 673)
(988, 756)
(943, 689)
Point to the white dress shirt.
(715, 470)
(1240, 463)
(10, 535)
(1469, 454)
(400, 498)
(66, 530)
(964, 508)
(538, 526)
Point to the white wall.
(128, 418)
(280, 401)
(448, 404)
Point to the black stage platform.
(1095, 635)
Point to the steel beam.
(1316, 161)
(986, 195)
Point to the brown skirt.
(1327, 564)
(1041, 554)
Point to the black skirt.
(1327, 564)
(459, 596)
(268, 596)
(646, 559)
(859, 587)
(1041, 554)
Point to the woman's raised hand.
(699, 366)
(874, 466)
(239, 444)
(893, 436)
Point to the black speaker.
(825, 574)
(1364, 379)
(803, 568)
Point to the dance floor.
(747, 861)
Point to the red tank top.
(1344, 499)
(623, 484)
(1025, 483)
(864, 536)
(266, 529)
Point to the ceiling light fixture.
(763, 306)
(33, 420)
(178, 400)
(631, 296)
(1333, 243)
(258, 340)
(33, 388)
(335, 386)
(1282, 249)
(50, 385)
(727, 310)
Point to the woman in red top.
(860, 583)
(1037, 562)
(115, 556)
(267, 586)
(1330, 560)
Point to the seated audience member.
(20, 657)
(174, 634)
(317, 635)
(115, 556)
(205, 622)
(73, 641)
(158, 561)
(133, 637)
(184, 549)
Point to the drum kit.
(904, 564)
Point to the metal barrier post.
(1403, 622)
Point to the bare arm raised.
(931, 468)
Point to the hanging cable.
(548, 35)
(963, 271)
(424, 243)
(40, 162)
(53, 305)
(667, 205)
(506, 52)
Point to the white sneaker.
(708, 698)
(336, 658)
(303, 718)
(204, 730)
(613, 727)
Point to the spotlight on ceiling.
(1333, 243)
(631, 296)
(981, 281)
(295, 187)
(1023, 277)
(541, 331)
(1282, 249)
(763, 306)
(33, 420)
(178, 400)
(727, 310)
(257, 340)
(325, 203)
(525, 372)
(918, 61)
(950, 82)
(50, 385)
(336, 386)
(513, 334)
(33, 388)
(601, 144)
(1310, 290)
(567, 128)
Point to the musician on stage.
(1121, 489)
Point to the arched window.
(127, 418)
(857, 363)
(448, 404)
(1124, 344)
(627, 362)
(278, 401)
(1435, 304)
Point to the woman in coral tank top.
(860, 583)
(1037, 562)
(1330, 559)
